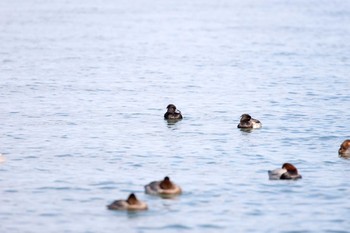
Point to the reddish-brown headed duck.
(132, 203)
(163, 188)
(247, 122)
(344, 150)
(287, 172)
(172, 113)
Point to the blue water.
(84, 86)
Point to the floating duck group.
(166, 188)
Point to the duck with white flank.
(287, 172)
(247, 122)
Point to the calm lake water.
(84, 86)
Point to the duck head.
(132, 200)
(291, 174)
(166, 183)
(245, 117)
(290, 168)
(171, 108)
(344, 149)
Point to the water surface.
(84, 86)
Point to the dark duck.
(247, 122)
(172, 113)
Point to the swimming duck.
(248, 122)
(132, 203)
(163, 188)
(344, 150)
(287, 172)
(172, 113)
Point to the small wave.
(210, 226)
(103, 183)
(63, 155)
(50, 214)
(177, 226)
(63, 188)
(171, 226)
(10, 191)
(30, 157)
